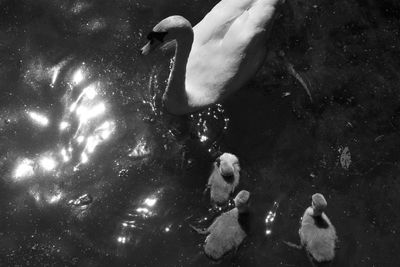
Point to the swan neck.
(176, 96)
(317, 212)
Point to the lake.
(95, 173)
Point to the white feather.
(219, 55)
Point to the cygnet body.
(226, 232)
(224, 178)
(317, 234)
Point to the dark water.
(93, 173)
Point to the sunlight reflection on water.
(38, 119)
(139, 215)
(269, 220)
(86, 124)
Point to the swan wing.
(251, 23)
(230, 17)
(217, 22)
(228, 48)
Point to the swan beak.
(145, 50)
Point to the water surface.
(94, 173)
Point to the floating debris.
(345, 158)
(379, 138)
(296, 75)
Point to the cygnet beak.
(226, 169)
(242, 198)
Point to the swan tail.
(262, 12)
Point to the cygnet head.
(241, 200)
(226, 165)
(168, 29)
(318, 204)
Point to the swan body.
(217, 56)
(317, 234)
(224, 178)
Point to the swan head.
(241, 200)
(167, 30)
(318, 204)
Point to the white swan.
(217, 56)
(224, 178)
(317, 234)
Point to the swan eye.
(159, 36)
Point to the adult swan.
(217, 56)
